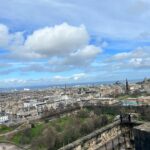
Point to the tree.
(104, 120)
(87, 126)
(97, 122)
(26, 136)
(82, 114)
(47, 140)
(71, 133)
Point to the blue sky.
(68, 41)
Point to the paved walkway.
(7, 146)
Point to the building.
(3, 119)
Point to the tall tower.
(127, 87)
(65, 89)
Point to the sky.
(44, 42)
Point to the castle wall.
(142, 137)
(97, 138)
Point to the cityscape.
(27, 110)
(74, 75)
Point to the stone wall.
(142, 137)
(97, 138)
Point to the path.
(7, 146)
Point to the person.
(129, 118)
(121, 118)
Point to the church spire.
(127, 86)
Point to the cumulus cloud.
(79, 59)
(62, 46)
(10, 40)
(83, 56)
(138, 52)
(58, 40)
(138, 58)
(3, 35)
(65, 47)
(140, 63)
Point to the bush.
(71, 133)
(25, 136)
(82, 114)
(47, 140)
(87, 126)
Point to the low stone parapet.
(96, 138)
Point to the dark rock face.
(142, 137)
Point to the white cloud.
(79, 76)
(10, 40)
(74, 77)
(139, 52)
(138, 58)
(58, 79)
(140, 62)
(58, 40)
(120, 56)
(123, 25)
(14, 81)
(3, 35)
(63, 46)
(126, 19)
(83, 57)
(136, 61)
(88, 52)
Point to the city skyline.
(68, 41)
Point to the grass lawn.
(5, 129)
(32, 133)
